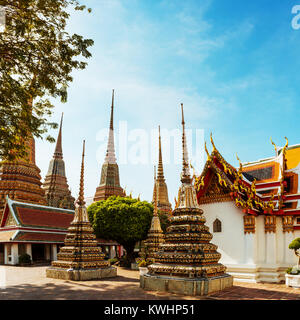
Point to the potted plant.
(143, 265)
(292, 277)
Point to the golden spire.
(160, 169)
(155, 193)
(58, 148)
(112, 111)
(185, 175)
(110, 153)
(80, 200)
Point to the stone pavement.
(30, 283)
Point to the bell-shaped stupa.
(81, 258)
(187, 263)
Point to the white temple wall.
(230, 241)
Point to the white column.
(47, 251)
(6, 253)
(271, 248)
(112, 252)
(54, 252)
(250, 248)
(14, 254)
(28, 249)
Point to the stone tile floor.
(30, 283)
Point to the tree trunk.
(129, 252)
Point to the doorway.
(38, 252)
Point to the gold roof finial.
(212, 142)
(275, 147)
(241, 165)
(80, 200)
(205, 147)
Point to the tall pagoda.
(21, 180)
(187, 262)
(80, 258)
(110, 178)
(155, 234)
(163, 203)
(56, 186)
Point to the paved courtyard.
(24, 283)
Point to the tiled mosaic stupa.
(110, 177)
(56, 187)
(187, 262)
(155, 235)
(80, 258)
(21, 180)
(163, 203)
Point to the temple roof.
(230, 184)
(37, 216)
(258, 187)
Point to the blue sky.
(234, 64)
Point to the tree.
(164, 221)
(124, 220)
(37, 57)
(295, 245)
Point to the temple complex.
(80, 258)
(256, 204)
(163, 203)
(56, 186)
(187, 263)
(110, 179)
(21, 180)
(155, 235)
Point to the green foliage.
(24, 259)
(113, 261)
(37, 57)
(295, 244)
(144, 262)
(124, 220)
(164, 221)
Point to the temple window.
(217, 226)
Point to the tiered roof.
(258, 187)
(24, 222)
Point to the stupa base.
(189, 287)
(81, 275)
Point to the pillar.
(54, 252)
(14, 254)
(47, 252)
(28, 249)
(112, 252)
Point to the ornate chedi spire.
(20, 179)
(56, 186)
(110, 179)
(80, 258)
(163, 203)
(187, 262)
(155, 235)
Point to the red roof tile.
(44, 218)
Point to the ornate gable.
(215, 192)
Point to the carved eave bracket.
(270, 224)
(249, 224)
(288, 224)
